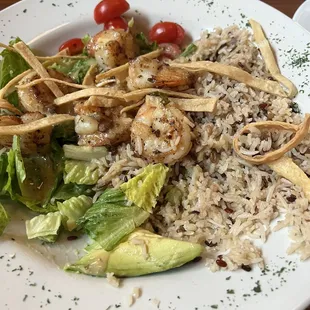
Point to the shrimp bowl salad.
(160, 152)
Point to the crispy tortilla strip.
(286, 168)
(301, 131)
(121, 72)
(234, 73)
(89, 79)
(84, 93)
(38, 81)
(35, 125)
(4, 104)
(103, 102)
(132, 107)
(58, 57)
(270, 60)
(195, 105)
(139, 94)
(6, 89)
(27, 54)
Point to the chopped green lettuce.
(67, 191)
(190, 49)
(140, 253)
(81, 172)
(75, 69)
(19, 163)
(44, 227)
(144, 44)
(4, 219)
(11, 65)
(111, 218)
(144, 189)
(73, 209)
(3, 173)
(11, 184)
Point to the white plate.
(188, 288)
(302, 15)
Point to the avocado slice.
(141, 253)
(86, 153)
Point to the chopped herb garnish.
(257, 288)
(295, 107)
(190, 49)
(214, 306)
(230, 292)
(25, 297)
(228, 278)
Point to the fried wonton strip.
(89, 79)
(234, 73)
(12, 83)
(38, 81)
(270, 60)
(27, 54)
(139, 94)
(286, 168)
(300, 132)
(4, 104)
(195, 105)
(35, 125)
(121, 72)
(105, 92)
(103, 102)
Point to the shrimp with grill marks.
(160, 133)
(145, 72)
(101, 126)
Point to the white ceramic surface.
(30, 276)
(302, 15)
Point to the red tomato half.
(116, 23)
(170, 50)
(167, 32)
(107, 10)
(75, 46)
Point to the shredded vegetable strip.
(12, 83)
(139, 94)
(27, 54)
(38, 81)
(234, 73)
(105, 92)
(90, 76)
(301, 131)
(286, 168)
(132, 107)
(35, 125)
(269, 58)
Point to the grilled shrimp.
(112, 48)
(101, 126)
(145, 72)
(161, 134)
(39, 98)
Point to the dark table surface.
(288, 7)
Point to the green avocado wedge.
(141, 253)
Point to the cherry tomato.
(75, 46)
(116, 23)
(167, 32)
(107, 10)
(170, 50)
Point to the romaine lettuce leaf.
(3, 173)
(67, 191)
(44, 227)
(75, 69)
(73, 209)
(111, 218)
(4, 219)
(81, 172)
(19, 163)
(11, 185)
(144, 189)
